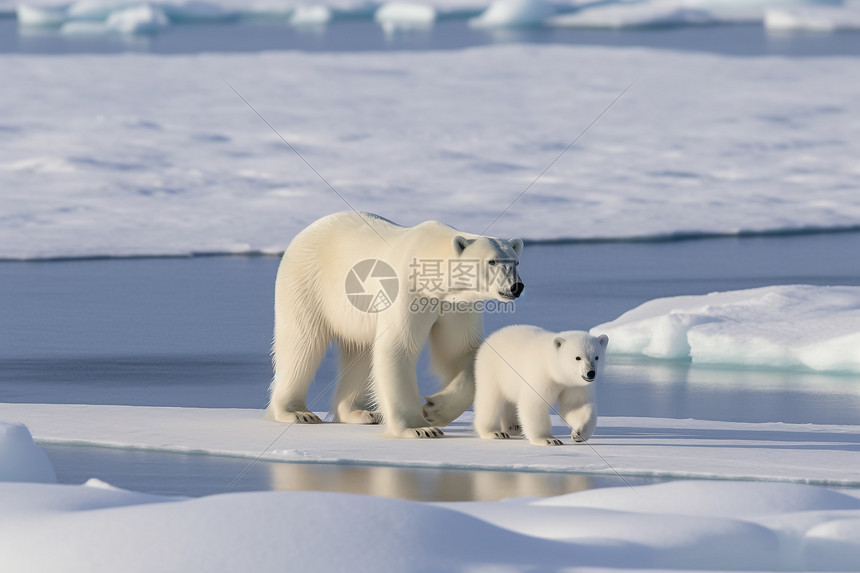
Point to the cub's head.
(578, 357)
(485, 268)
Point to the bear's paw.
(307, 418)
(425, 432)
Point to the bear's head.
(577, 357)
(489, 268)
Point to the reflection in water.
(167, 473)
(423, 484)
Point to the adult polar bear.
(312, 309)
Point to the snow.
(693, 525)
(142, 19)
(311, 16)
(640, 16)
(91, 528)
(803, 453)
(814, 18)
(514, 13)
(796, 326)
(395, 16)
(122, 169)
(20, 458)
(819, 15)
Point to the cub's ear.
(558, 341)
(603, 340)
(459, 243)
(517, 246)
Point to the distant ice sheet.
(139, 154)
(811, 327)
(819, 15)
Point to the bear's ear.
(459, 243)
(603, 340)
(517, 246)
(558, 341)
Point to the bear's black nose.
(517, 289)
(590, 374)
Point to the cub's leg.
(534, 417)
(577, 408)
(510, 420)
(351, 395)
(489, 409)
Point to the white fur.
(520, 371)
(379, 351)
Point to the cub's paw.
(425, 432)
(500, 436)
(547, 442)
(577, 437)
(515, 430)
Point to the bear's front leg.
(396, 386)
(576, 406)
(454, 341)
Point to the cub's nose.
(590, 375)
(517, 289)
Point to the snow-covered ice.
(692, 525)
(814, 18)
(514, 13)
(20, 458)
(798, 326)
(314, 15)
(804, 453)
(95, 161)
(395, 16)
(502, 13)
(686, 525)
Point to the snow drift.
(20, 458)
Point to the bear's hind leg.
(296, 359)
(352, 395)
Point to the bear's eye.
(491, 263)
(596, 358)
(579, 357)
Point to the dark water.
(197, 475)
(196, 332)
(359, 35)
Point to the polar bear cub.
(521, 371)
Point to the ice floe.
(800, 326)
